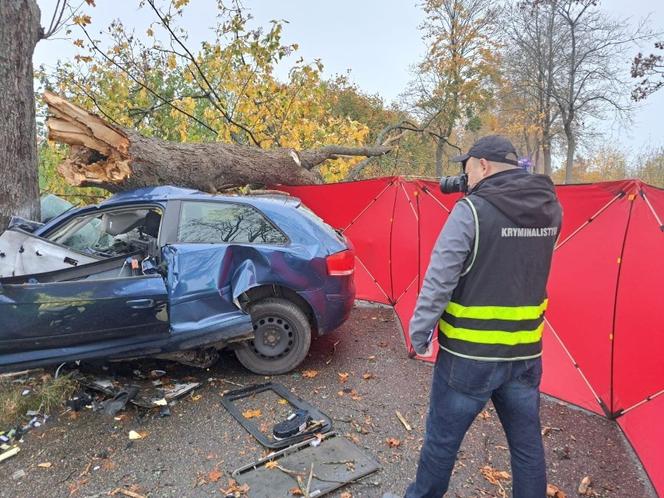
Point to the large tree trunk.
(19, 185)
(106, 156)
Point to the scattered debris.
(485, 415)
(268, 396)
(309, 374)
(79, 401)
(141, 390)
(9, 453)
(235, 490)
(19, 474)
(334, 350)
(368, 375)
(403, 421)
(393, 442)
(214, 475)
(546, 430)
(343, 377)
(112, 406)
(45, 465)
(306, 470)
(495, 477)
(133, 435)
(585, 487)
(126, 492)
(554, 492)
(249, 414)
(296, 423)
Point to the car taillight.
(341, 263)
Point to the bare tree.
(650, 69)
(20, 31)
(532, 58)
(590, 82)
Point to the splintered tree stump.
(106, 156)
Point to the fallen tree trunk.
(107, 156)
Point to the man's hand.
(428, 352)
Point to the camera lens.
(453, 184)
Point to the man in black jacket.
(485, 288)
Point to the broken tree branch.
(115, 158)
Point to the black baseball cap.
(492, 148)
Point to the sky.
(376, 42)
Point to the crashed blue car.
(173, 273)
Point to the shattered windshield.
(110, 233)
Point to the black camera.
(453, 184)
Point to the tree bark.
(571, 150)
(107, 156)
(19, 182)
(546, 152)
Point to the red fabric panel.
(365, 287)
(432, 188)
(404, 309)
(370, 234)
(404, 240)
(338, 203)
(639, 334)
(580, 202)
(582, 290)
(433, 216)
(645, 430)
(561, 379)
(656, 198)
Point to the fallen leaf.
(554, 492)
(485, 415)
(251, 413)
(585, 487)
(295, 491)
(283, 401)
(393, 442)
(346, 494)
(343, 377)
(45, 465)
(214, 475)
(368, 375)
(235, 489)
(272, 464)
(309, 374)
(196, 397)
(133, 435)
(494, 476)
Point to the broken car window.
(111, 233)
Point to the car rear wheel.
(282, 336)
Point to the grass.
(46, 394)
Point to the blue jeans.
(461, 387)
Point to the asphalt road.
(192, 452)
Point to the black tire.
(282, 340)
